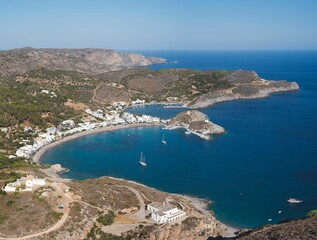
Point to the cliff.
(88, 60)
(195, 122)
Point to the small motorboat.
(294, 200)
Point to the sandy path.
(139, 216)
(94, 95)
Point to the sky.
(159, 24)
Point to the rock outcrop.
(296, 229)
(57, 168)
(88, 60)
(195, 122)
(190, 228)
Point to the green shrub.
(312, 213)
(106, 219)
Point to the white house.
(140, 119)
(68, 123)
(155, 119)
(117, 104)
(165, 213)
(137, 102)
(27, 129)
(24, 184)
(147, 118)
(129, 118)
(99, 113)
(51, 130)
(24, 151)
(47, 137)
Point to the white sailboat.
(163, 140)
(142, 160)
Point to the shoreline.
(37, 156)
(198, 203)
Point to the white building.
(24, 151)
(155, 119)
(138, 102)
(46, 138)
(68, 124)
(117, 104)
(98, 114)
(45, 91)
(85, 126)
(147, 118)
(51, 130)
(129, 118)
(24, 184)
(162, 213)
(140, 119)
(27, 129)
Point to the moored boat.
(294, 200)
(142, 160)
(163, 140)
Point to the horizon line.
(183, 50)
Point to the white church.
(165, 213)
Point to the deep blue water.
(268, 154)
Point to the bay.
(268, 154)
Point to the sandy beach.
(37, 156)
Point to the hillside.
(40, 88)
(293, 229)
(103, 208)
(88, 60)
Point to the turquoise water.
(268, 154)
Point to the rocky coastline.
(195, 122)
(243, 92)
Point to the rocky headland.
(195, 122)
(103, 208)
(246, 85)
(292, 229)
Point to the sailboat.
(163, 140)
(142, 160)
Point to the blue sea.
(268, 154)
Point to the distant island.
(49, 94)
